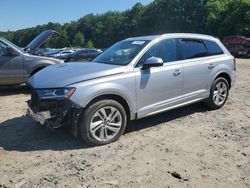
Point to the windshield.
(121, 53)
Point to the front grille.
(39, 105)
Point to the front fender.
(32, 63)
(120, 86)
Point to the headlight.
(56, 93)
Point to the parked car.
(17, 64)
(52, 52)
(62, 54)
(83, 55)
(41, 52)
(133, 79)
(239, 46)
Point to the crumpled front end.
(53, 113)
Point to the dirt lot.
(207, 148)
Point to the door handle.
(210, 66)
(177, 72)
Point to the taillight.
(234, 64)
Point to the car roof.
(177, 35)
(228, 37)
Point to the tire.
(96, 128)
(218, 94)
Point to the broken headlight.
(56, 93)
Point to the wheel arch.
(37, 69)
(226, 76)
(116, 98)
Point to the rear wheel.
(103, 122)
(218, 94)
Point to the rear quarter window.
(192, 48)
(212, 48)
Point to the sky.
(20, 14)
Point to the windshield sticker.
(138, 42)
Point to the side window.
(166, 50)
(82, 52)
(192, 48)
(3, 49)
(212, 48)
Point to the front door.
(11, 66)
(159, 88)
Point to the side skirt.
(171, 108)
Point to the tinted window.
(192, 48)
(166, 50)
(83, 51)
(212, 48)
(92, 51)
(3, 49)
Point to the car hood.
(62, 75)
(39, 40)
(30, 57)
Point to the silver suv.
(134, 78)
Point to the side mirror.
(152, 62)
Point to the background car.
(75, 55)
(18, 64)
(62, 54)
(41, 52)
(83, 55)
(239, 46)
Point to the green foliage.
(228, 17)
(78, 39)
(216, 17)
(90, 44)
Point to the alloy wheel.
(106, 123)
(220, 93)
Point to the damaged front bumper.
(40, 117)
(53, 113)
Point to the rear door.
(11, 65)
(198, 63)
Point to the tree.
(216, 17)
(90, 44)
(78, 39)
(231, 17)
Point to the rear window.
(192, 48)
(212, 48)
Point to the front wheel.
(103, 122)
(218, 94)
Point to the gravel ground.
(186, 147)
